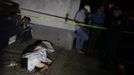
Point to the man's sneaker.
(81, 52)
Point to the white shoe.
(81, 52)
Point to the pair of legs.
(81, 37)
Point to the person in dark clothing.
(97, 19)
(115, 25)
(24, 29)
(27, 35)
(126, 53)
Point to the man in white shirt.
(81, 35)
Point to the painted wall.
(59, 33)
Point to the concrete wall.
(59, 33)
(60, 37)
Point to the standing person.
(97, 19)
(81, 34)
(128, 47)
(115, 26)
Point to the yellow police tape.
(68, 22)
(60, 20)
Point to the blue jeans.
(81, 37)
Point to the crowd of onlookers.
(117, 37)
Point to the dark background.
(126, 5)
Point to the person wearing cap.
(81, 34)
(97, 19)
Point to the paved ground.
(65, 62)
(13, 53)
(71, 63)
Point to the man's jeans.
(81, 37)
